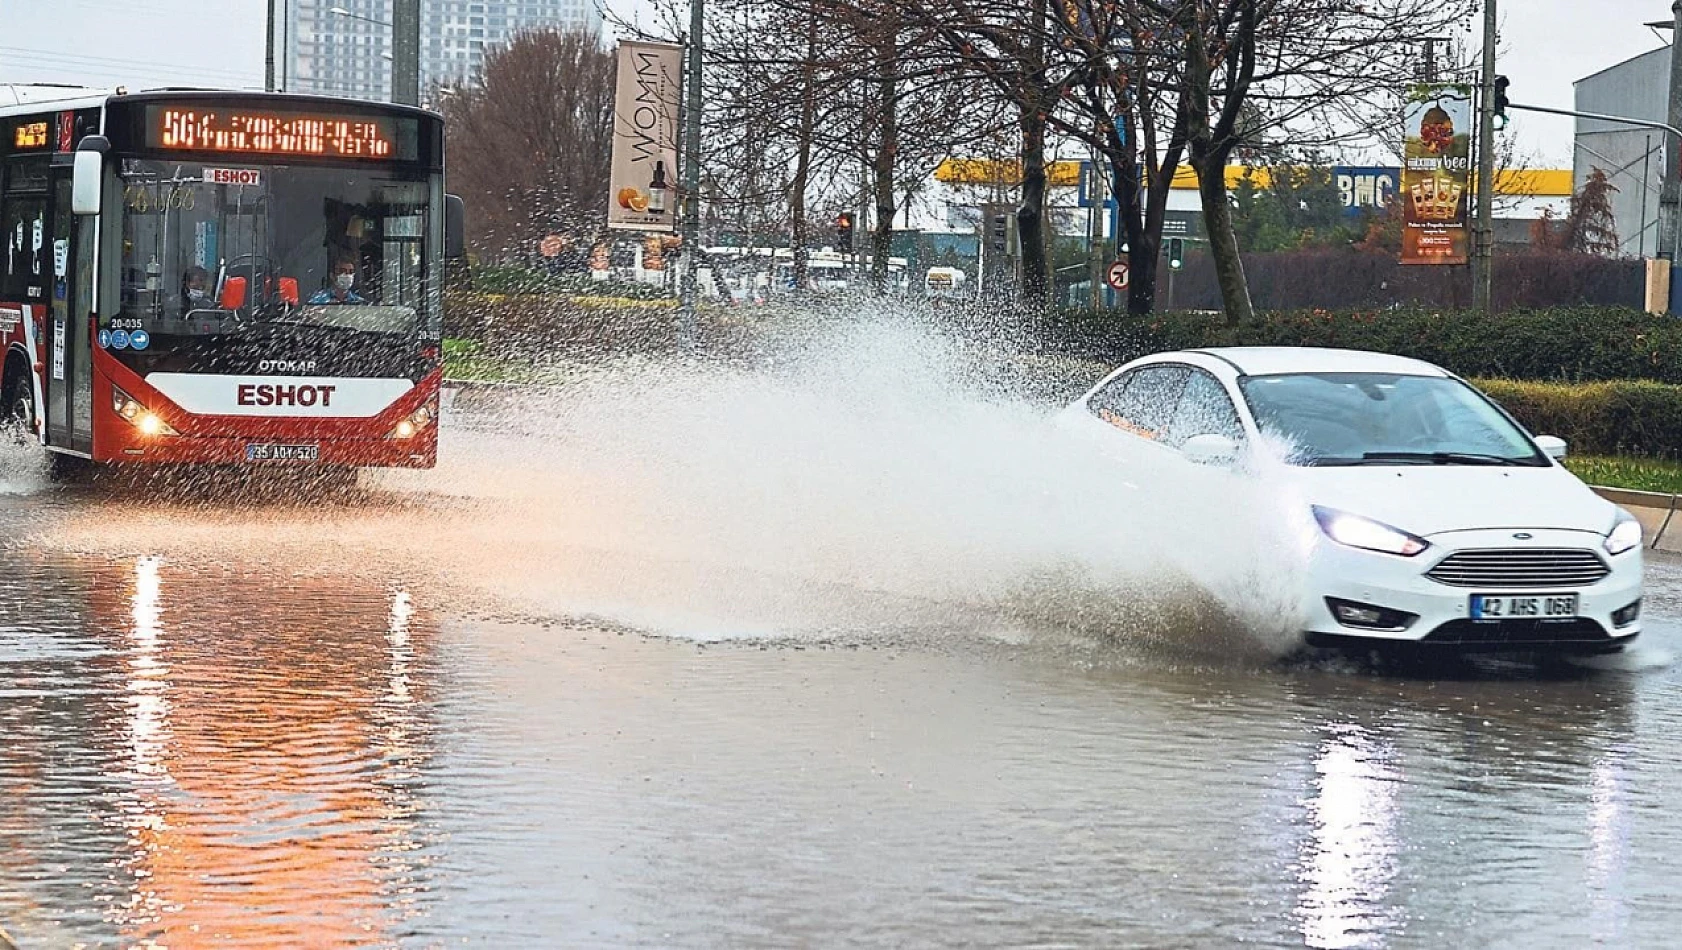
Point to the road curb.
(1655, 510)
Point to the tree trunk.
(1209, 153)
(1143, 243)
(800, 238)
(1223, 241)
(1030, 217)
(881, 237)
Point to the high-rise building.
(343, 47)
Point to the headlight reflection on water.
(148, 739)
(1350, 858)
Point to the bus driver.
(342, 289)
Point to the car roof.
(1274, 360)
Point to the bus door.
(69, 378)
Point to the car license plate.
(271, 452)
(1523, 606)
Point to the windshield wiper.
(1445, 458)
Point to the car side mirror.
(1552, 446)
(233, 293)
(1211, 449)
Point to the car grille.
(1520, 567)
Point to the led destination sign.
(251, 132)
(30, 135)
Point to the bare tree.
(535, 127)
(1298, 71)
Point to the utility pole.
(691, 232)
(405, 52)
(1484, 234)
(268, 53)
(1671, 196)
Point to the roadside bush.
(545, 327)
(509, 279)
(1565, 344)
(1636, 418)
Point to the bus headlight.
(415, 421)
(138, 415)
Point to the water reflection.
(254, 745)
(1351, 852)
(142, 810)
(1608, 853)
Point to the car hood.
(1432, 499)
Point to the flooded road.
(460, 709)
(218, 755)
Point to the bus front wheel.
(17, 408)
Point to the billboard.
(1436, 171)
(642, 193)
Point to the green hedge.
(509, 279)
(1570, 344)
(1638, 418)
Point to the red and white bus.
(222, 278)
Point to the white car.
(1439, 520)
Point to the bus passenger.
(342, 290)
(195, 294)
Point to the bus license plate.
(271, 452)
(1523, 606)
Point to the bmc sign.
(1366, 189)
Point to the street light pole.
(691, 232)
(405, 52)
(405, 47)
(1484, 253)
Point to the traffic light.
(844, 231)
(1176, 253)
(998, 232)
(1501, 102)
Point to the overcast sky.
(1546, 44)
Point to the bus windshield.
(221, 265)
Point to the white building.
(343, 47)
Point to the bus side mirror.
(233, 293)
(455, 228)
(87, 174)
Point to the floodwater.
(578, 688)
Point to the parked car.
(1437, 520)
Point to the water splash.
(870, 480)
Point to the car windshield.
(1385, 419)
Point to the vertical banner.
(641, 196)
(1436, 172)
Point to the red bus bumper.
(224, 440)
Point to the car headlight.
(1357, 532)
(411, 425)
(138, 415)
(1625, 534)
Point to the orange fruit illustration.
(639, 202)
(626, 196)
